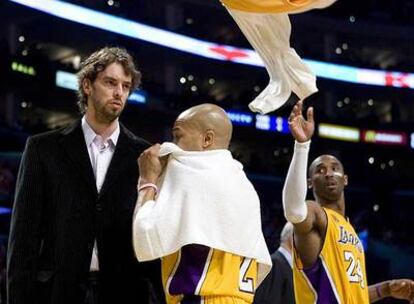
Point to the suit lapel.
(121, 158)
(73, 142)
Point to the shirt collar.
(286, 255)
(90, 134)
(115, 135)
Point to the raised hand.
(150, 165)
(302, 129)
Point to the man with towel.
(204, 219)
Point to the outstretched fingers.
(296, 111)
(309, 115)
(298, 107)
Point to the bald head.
(287, 233)
(203, 127)
(286, 237)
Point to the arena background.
(363, 54)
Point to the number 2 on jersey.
(246, 284)
(354, 271)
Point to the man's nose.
(118, 90)
(329, 172)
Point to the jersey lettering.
(246, 284)
(354, 271)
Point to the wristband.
(148, 185)
(304, 146)
(377, 289)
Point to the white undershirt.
(100, 154)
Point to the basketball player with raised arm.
(329, 260)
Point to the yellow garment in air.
(267, 6)
(210, 275)
(339, 275)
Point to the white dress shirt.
(100, 154)
(287, 255)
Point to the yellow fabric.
(267, 6)
(343, 258)
(221, 283)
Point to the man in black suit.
(277, 287)
(70, 235)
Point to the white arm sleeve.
(295, 188)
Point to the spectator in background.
(277, 287)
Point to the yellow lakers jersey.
(339, 274)
(266, 6)
(199, 274)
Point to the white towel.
(205, 198)
(269, 34)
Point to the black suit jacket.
(277, 287)
(58, 214)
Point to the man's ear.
(309, 183)
(209, 138)
(346, 180)
(87, 86)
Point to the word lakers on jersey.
(339, 274)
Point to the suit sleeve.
(270, 291)
(24, 238)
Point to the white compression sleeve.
(295, 188)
